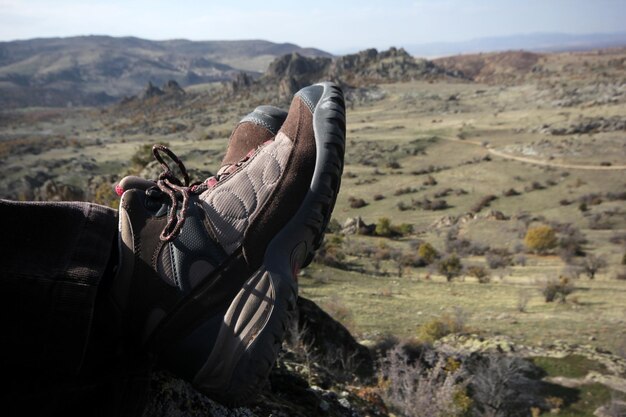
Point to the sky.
(333, 25)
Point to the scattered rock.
(356, 226)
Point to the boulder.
(356, 226)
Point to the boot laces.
(169, 184)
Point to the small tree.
(480, 273)
(383, 227)
(450, 267)
(400, 260)
(540, 239)
(557, 289)
(427, 252)
(593, 264)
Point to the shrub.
(450, 267)
(427, 204)
(393, 164)
(571, 240)
(414, 389)
(592, 264)
(540, 239)
(557, 289)
(357, 202)
(378, 197)
(480, 273)
(403, 229)
(437, 328)
(484, 202)
(502, 385)
(404, 190)
(498, 258)
(386, 229)
(383, 227)
(443, 193)
(428, 253)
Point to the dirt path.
(539, 162)
(556, 164)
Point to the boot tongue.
(252, 131)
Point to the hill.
(94, 70)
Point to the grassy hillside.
(100, 69)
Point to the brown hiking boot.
(207, 278)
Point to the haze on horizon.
(335, 26)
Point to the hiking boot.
(208, 271)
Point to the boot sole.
(256, 321)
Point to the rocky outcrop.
(241, 82)
(370, 66)
(152, 91)
(356, 226)
(471, 343)
(294, 71)
(587, 125)
(172, 88)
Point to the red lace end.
(119, 190)
(211, 181)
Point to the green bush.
(427, 253)
(450, 267)
(383, 227)
(437, 328)
(386, 229)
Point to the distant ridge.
(92, 70)
(534, 42)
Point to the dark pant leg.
(53, 256)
